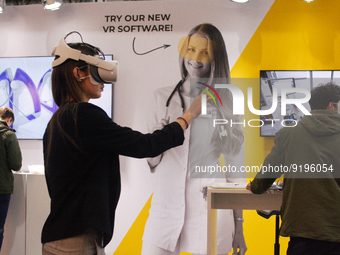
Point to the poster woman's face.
(197, 59)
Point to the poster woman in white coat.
(178, 214)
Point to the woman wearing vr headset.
(81, 149)
(178, 213)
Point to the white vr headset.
(102, 71)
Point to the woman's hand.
(239, 243)
(193, 112)
(196, 106)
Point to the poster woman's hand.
(239, 244)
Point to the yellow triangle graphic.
(132, 242)
(293, 35)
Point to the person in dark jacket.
(309, 156)
(10, 159)
(81, 155)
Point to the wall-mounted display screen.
(309, 79)
(25, 87)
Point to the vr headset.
(102, 71)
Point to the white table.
(28, 210)
(236, 199)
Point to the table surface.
(220, 198)
(232, 198)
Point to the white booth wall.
(32, 31)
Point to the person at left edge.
(10, 159)
(81, 155)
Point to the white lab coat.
(179, 207)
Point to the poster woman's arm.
(239, 243)
(237, 161)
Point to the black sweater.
(84, 181)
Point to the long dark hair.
(219, 70)
(65, 89)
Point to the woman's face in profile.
(197, 59)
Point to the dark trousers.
(305, 246)
(4, 203)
